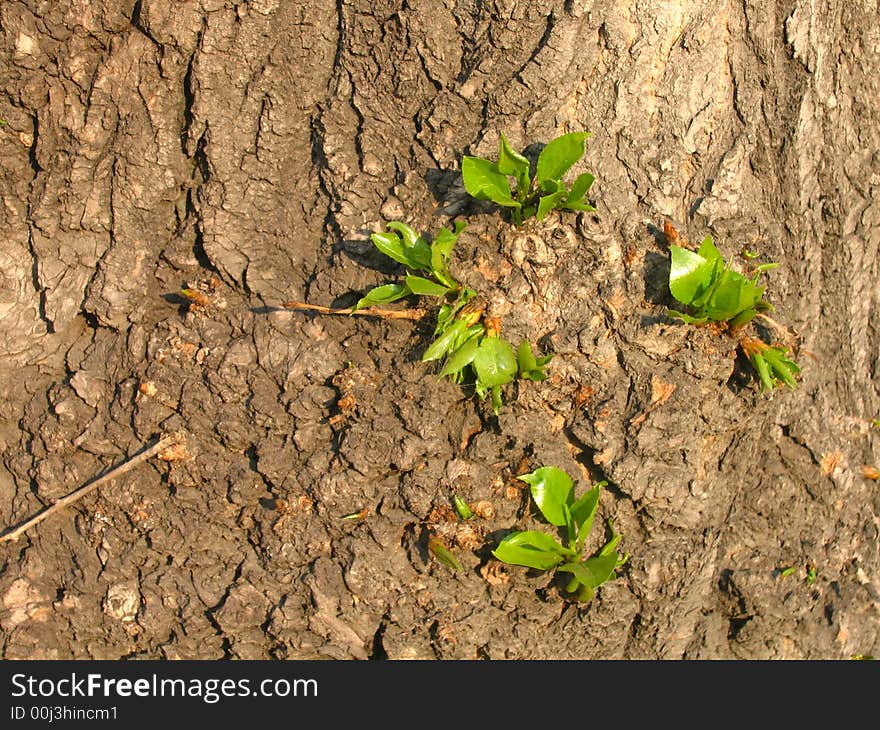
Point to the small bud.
(148, 388)
(463, 508)
(175, 452)
(484, 509)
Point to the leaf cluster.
(712, 290)
(470, 348)
(405, 246)
(715, 292)
(553, 492)
(770, 362)
(531, 193)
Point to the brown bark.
(248, 150)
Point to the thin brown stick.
(13, 534)
(787, 334)
(413, 314)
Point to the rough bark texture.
(248, 149)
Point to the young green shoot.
(711, 289)
(770, 362)
(553, 492)
(531, 367)
(463, 508)
(467, 344)
(713, 292)
(403, 245)
(530, 194)
(439, 550)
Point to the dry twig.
(413, 314)
(13, 534)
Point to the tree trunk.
(247, 151)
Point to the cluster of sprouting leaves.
(404, 245)
(771, 362)
(553, 492)
(532, 194)
(468, 344)
(715, 292)
(712, 290)
(472, 347)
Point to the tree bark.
(247, 150)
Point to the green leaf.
(729, 295)
(570, 526)
(585, 594)
(514, 164)
(560, 154)
(443, 314)
(439, 347)
(553, 186)
(441, 250)
(391, 245)
(494, 362)
(583, 511)
(723, 296)
(594, 571)
(773, 366)
(686, 317)
(414, 246)
(690, 274)
(708, 251)
(531, 549)
(410, 237)
(525, 359)
(483, 181)
(442, 553)
(765, 267)
(551, 489)
(461, 358)
(550, 202)
(496, 399)
(382, 295)
(760, 364)
(463, 508)
(530, 367)
(447, 313)
(784, 367)
(744, 317)
(581, 206)
(601, 568)
(581, 187)
(426, 287)
(611, 545)
(536, 376)
(475, 330)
